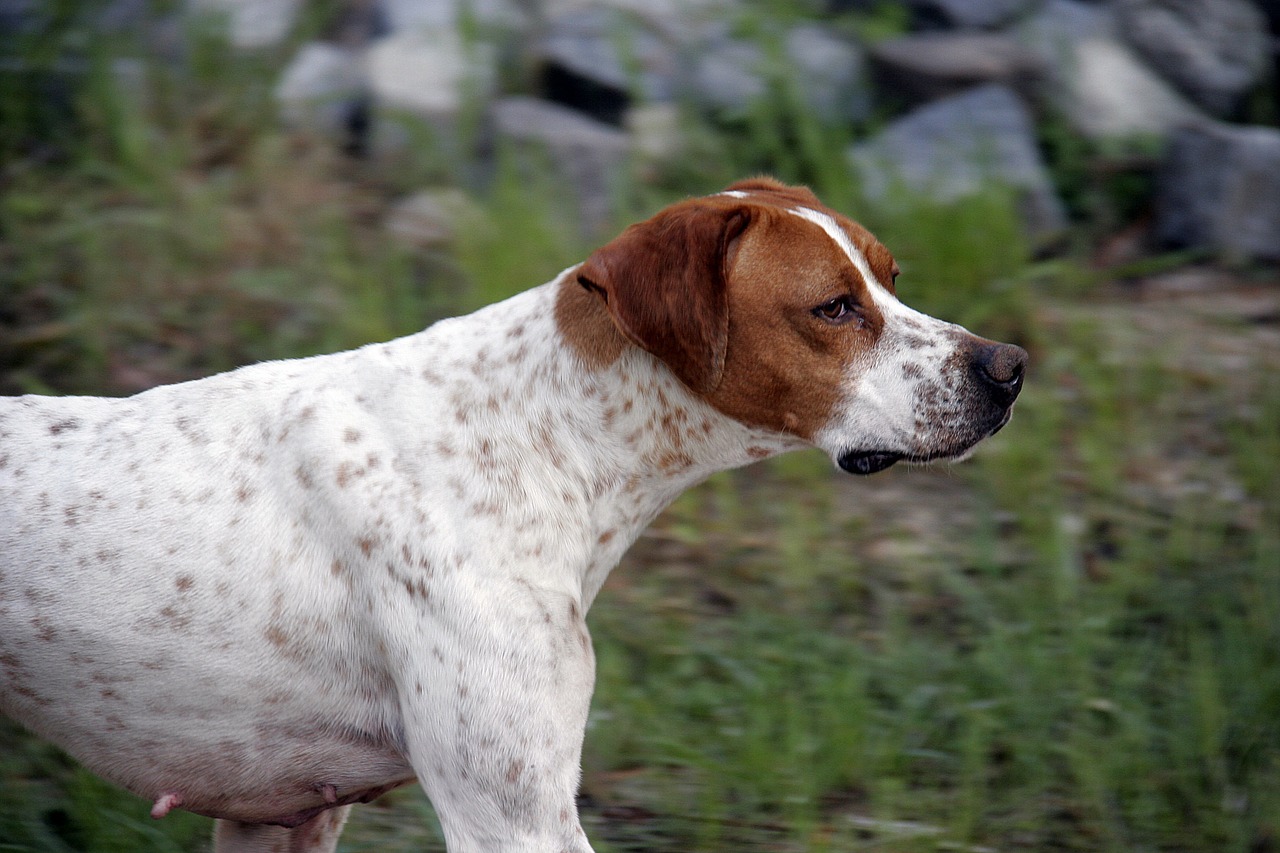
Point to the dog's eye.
(837, 311)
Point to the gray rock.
(429, 73)
(1214, 51)
(1220, 189)
(828, 73)
(971, 14)
(401, 15)
(955, 147)
(252, 23)
(431, 219)
(420, 79)
(320, 87)
(600, 59)
(929, 66)
(1095, 80)
(586, 155)
(655, 132)
(730, 75)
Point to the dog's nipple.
(165, 803)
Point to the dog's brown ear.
(665, 284)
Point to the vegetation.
(1071, 642)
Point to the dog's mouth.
(866, 462)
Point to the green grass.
(1080, 649)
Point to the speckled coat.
(268, 594)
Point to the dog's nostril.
(1002, 365)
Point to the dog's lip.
(866, 462)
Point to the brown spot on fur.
(184, 582)
(64, 426)
(351, 435)
(348, 471)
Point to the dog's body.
(274, 592)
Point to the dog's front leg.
(494, 717)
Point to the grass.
(1069, 643)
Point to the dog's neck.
(571, 425)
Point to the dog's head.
(782, 314)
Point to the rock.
(831, 73)
(599, 59)
(252, 23)
(970, 14)
(429, 73)
(584, 154)
(431, 219)
(929, 66)
(730, 76)
(321, 88)
(955, 147)
(1095, 80)
(436, 15)
(427, 77)
(1214, 51)
(655, 131)
(1220, 189)
(828, 73)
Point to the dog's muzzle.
(997, 372)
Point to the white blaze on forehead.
(878, 291)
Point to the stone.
(436, 15)
(429, 74)
(1097, 82)
(928, 66)
(252, 24)
(655, 131)
(601, 59)
(585, 155)
(730, 76)
(321, 87)
(970, 14)
(1220, 189)
(831, 73)
(828, 73)
(431, 219)
(1214, 51)
(955, 147)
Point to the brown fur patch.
(786, 367)
(584, 322)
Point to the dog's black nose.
(1000, 367)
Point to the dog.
(269, 594)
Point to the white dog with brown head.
(269, 594)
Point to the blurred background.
(1069, 643)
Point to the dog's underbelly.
(257, 738)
